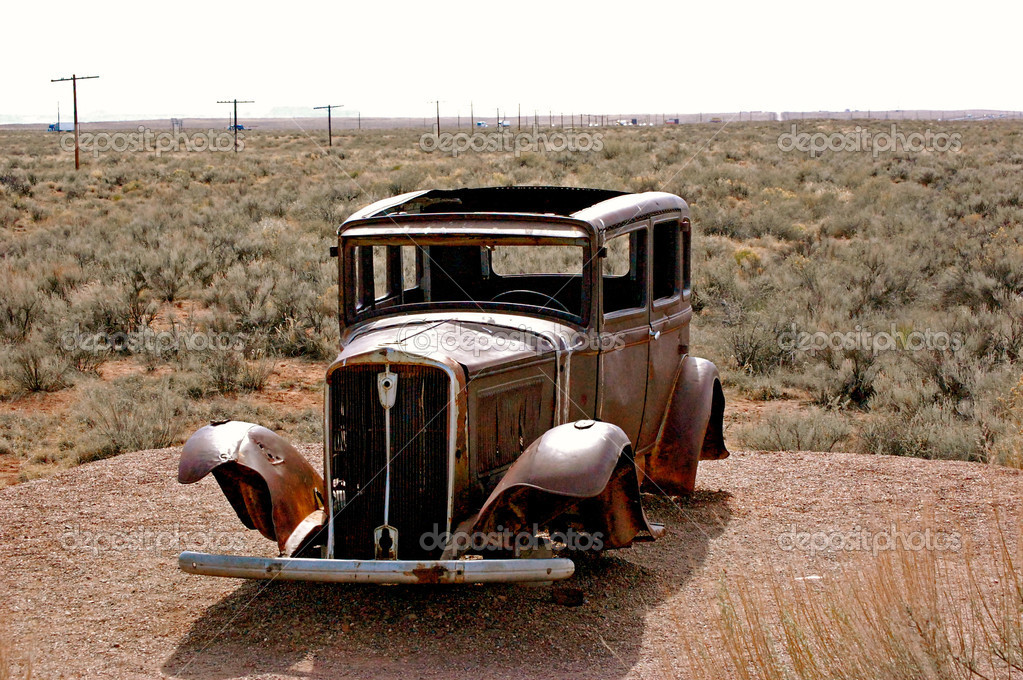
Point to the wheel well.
(714, 439)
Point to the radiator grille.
(419, 458)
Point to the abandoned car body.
(514, 366)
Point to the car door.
(670, 312)
(625, 329)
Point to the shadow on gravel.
(328, 630)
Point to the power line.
(74, 93)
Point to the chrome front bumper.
(377, 571)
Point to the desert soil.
(91, 586)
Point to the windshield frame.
(348, 279)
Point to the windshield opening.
(395, 275)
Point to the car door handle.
(655, 334)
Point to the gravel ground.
(91, 584)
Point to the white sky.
(394, 57)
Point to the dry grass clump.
(902, 614)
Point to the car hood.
(477, 341)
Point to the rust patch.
(432, 574)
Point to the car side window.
(665, 259)
(624, 280)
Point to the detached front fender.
(583, 471)
(693, 430)
(270, 485)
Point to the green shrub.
(405, 180)
(16, 183)
(297, 425)
(812, 429)
(228, 372)
(255, 374)
(21, 304)
(754, 346)
(130, 414)
(842, 379)
(932, 432)
(35, 367)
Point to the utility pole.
(74, 94)
(520, 116)
(234, 125)
(329, 107)
(472, 116)
(437, 102)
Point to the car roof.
(602, 209)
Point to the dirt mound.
(91, 580)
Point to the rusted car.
(514, 369)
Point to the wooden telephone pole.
(329, 107)
(437, 102)
(74, 94)
(234, 124)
